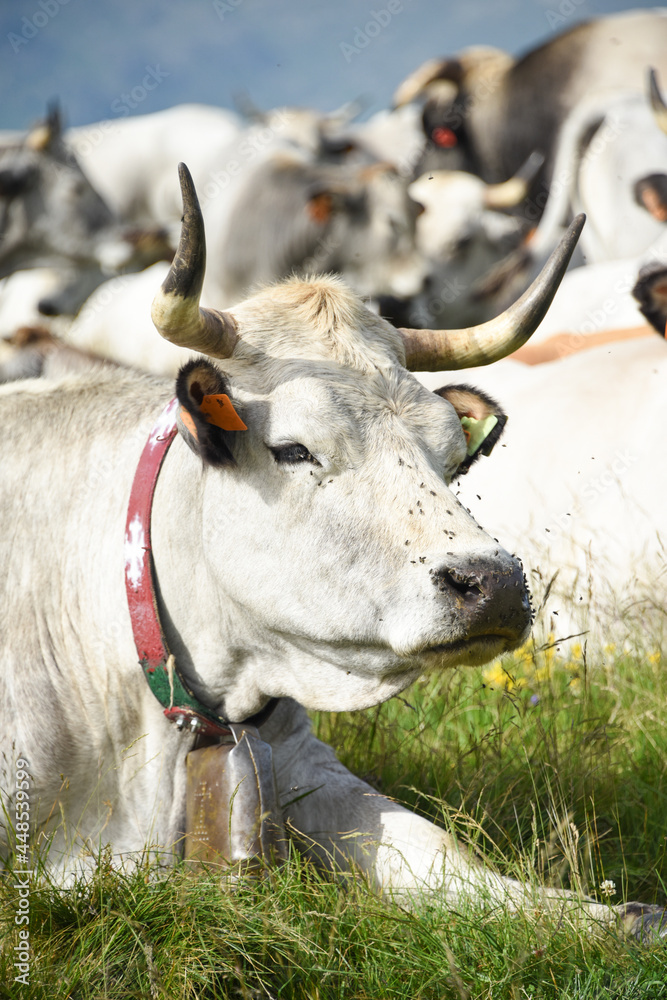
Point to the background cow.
(51, 216)
(486, 112)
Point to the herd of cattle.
(439, 212)
(319, 554)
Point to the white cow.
(115, 324)
(273, 202)
(313, 554)
(611, 163)
(132, 161)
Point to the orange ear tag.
(220, 411)
(320, 207)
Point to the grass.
(553, 764)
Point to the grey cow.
(290, 559)
(52, 216)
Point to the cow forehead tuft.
(322, 301)
(316, 318)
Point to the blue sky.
(94, 55)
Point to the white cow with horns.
(317, 557)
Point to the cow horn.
(347, 112)
(48, 132)
(247, 108)
(430, 71)
(657, 101)
(176, 312)
(435, 350)
(510, 193)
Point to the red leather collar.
(180, 704)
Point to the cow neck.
(164, 679)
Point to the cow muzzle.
(486, 598)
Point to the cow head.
(309, 218)
(322, 135)
(463, 233)
(329, 524)
(50, 214)
(451, 88)
(48, 209)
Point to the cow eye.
(463, 243)
(290, 454)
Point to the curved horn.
(657, 101)
(510, 193)
(435, 350)
(47, 132)
(247, 108)
(347, 112)
(175, 309)
(428, 72)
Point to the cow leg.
(342, 822)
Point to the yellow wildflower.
(550, 652)
(524, 654)
(497, 677)
(542, 673)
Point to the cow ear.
(207, 418)
(321, 206)
(651, 193)
(482, 420)
(650, 292)
(323, 201)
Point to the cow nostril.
(468, 585)
(486, 593)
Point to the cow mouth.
(475, 650)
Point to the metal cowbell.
(232, 812)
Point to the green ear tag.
(477, 431)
